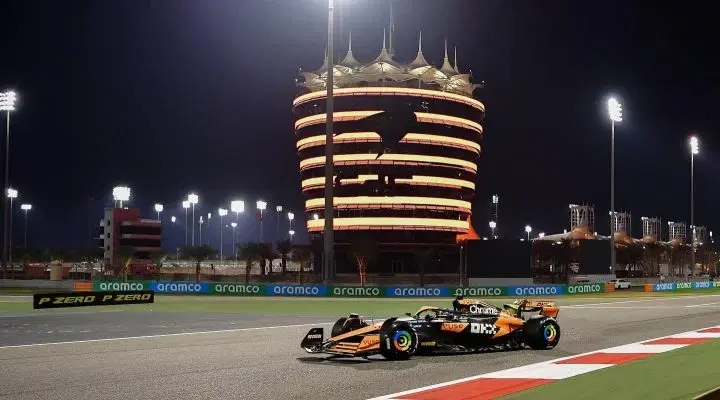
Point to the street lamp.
(12, 194)
(278, 210)
(200, 223)
(292, 232)
(26, 208)
(328, 238)
(193, 199)
(7, 104)
(291, 217)
(158, 209)
(208, 227)
(186, 205)
(493, 225)
(121, 194)
(528, 229)
(694, 149)
(261, 205)
(615, 114)
(221, 212)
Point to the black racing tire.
(541, 333)
(398, 340)
(337, 328)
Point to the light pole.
(193, 199)
(493, 225)
(7, 104)
(234, 225)
(292, 232)
(12, 194)
(278, 209)
(291, 217)
(261, 205)
(496, 203)
(186, 205)
(615, 114)
(121, 194)
(329, 245)
(200, 223)
(173, 219)
(528, 229)
(221, 212)
(26, 208)
(694, 149)
(208, 227)
(158, 209)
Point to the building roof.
(384, 70)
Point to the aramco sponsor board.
(240, 289)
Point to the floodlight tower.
(234, 225)
(121, 194)
(615, 114)
(261, 206)
(221, 212)
(528, 229)
(12, 194)
(158, 209)
(694, 149)
(7, 104)
(291, 217)
(193, 199)
(186, 205)
(26, 208)
(493, 225)
(278, 210)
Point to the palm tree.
(198, 254)
(284, 247)
(124, 259)
(301, 256)
(158, 258)
(249, 252)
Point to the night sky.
(175, 96)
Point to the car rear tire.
(398, 340)
(542, 333)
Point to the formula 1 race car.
(470, 326)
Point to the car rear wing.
(547, 308)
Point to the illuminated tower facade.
(406, 146)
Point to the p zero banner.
(586, 288)
(85, 299)
(237, 289)
(418, 291)
(181, 287)
(109, 286)
(480, 291)
(296, 290)
(536, 290)
(357, 291)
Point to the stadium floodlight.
(237, 206)
(694, 149)
(222, 212)
(12, 193)
(193, 198)
(26, 208)
(121, 194)
(173, 219)
(279, 209)
(291, 216)
(261, 205)
(615, 114)
(7, 101)
(528, 229)
(492, 225)
(158, 209)
(291, 232)
(614, 110)
(694, 145)
(541, 235)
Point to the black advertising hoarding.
(86, 299)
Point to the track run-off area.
(248, 348)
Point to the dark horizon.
(170, 97)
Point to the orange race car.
(470, 326)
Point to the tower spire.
(419, 58)
(446, 68)
(456, 63)
(384, 33)
(349, 60)
(391, 50)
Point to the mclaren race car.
(470, 326)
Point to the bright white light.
(694, 145)
(12, 193)
(173, 219)
(209, 216)
(237, 206)
(7, 101)
(158, 207)
(28, 207)
(222, 212)
(495, 199)
(292, 232)
(528, 229)
(186, 204)
(278, 209)
(316, 217)
(193, 198)
(201, 219)
(614, 110)
(121, 193)
(261, 205)
(541, 235)
(291, 216)
(233, 224)
(492, 224)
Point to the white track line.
(642, 301)
(165, 335)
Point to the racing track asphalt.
(268, 363)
